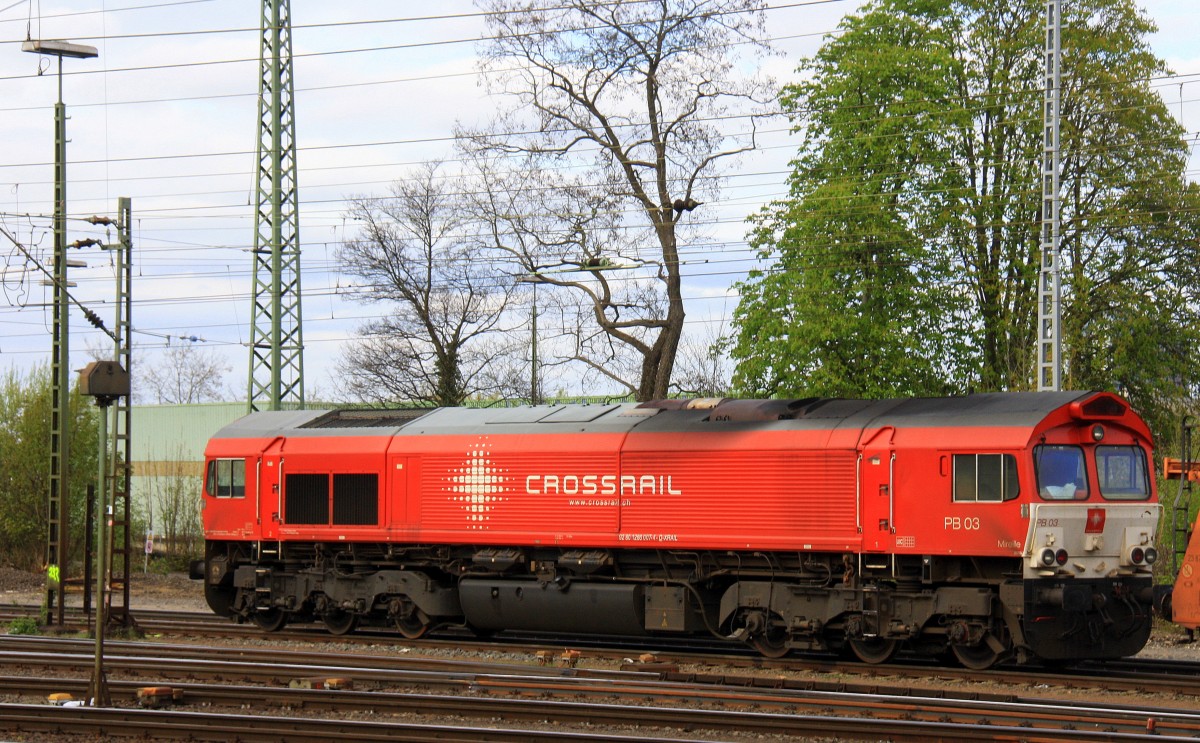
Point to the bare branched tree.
(539, 218)
(636, 99)
(174, 512)
(443, 341)
(184, 374)
(703, 368)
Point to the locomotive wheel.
(219, 599)
(271, 620)
(772, 644)
(874, 650)
(414, 625)
(339, 622)
(976, 657)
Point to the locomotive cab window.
(226, 478)
(985, 478)
(1122, 472)
(1061, 474)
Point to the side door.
(269, 491)
(400, 513)
(877, 497)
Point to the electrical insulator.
(93, 318)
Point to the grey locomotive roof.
(614, 418)
(266, 423)
(1022, 409)
(986, 409)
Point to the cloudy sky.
(167, 115)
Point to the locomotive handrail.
(858, 494)
(892, 494)
(279, 485)
(258, 490)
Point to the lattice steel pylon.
(1049, 361)
(276, 337)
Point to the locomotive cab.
(228, 518)
(1089, 557)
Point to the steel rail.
(1000, 714)
(849, 723)
(207, 726)
(1141, 675)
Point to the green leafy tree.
(25, 407)
(1132, 224)
(906, 257)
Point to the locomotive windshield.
(1061, 474)
(1122, 472)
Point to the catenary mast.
(1049, 348)
(276, 375)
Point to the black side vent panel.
(306, 499)
(356, 500)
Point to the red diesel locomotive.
(990, 526)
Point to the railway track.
(513, 696)
(1181, 678)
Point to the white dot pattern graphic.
(478, 486)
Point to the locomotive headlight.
(1097, 433)
(1061, 557)
(1137, 555)
(1151, 555)
(1048, 557)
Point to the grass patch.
(24, 626)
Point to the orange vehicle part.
(1185, 598)
(1173, 469)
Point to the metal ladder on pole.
(120, 474)
(1181, 523)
